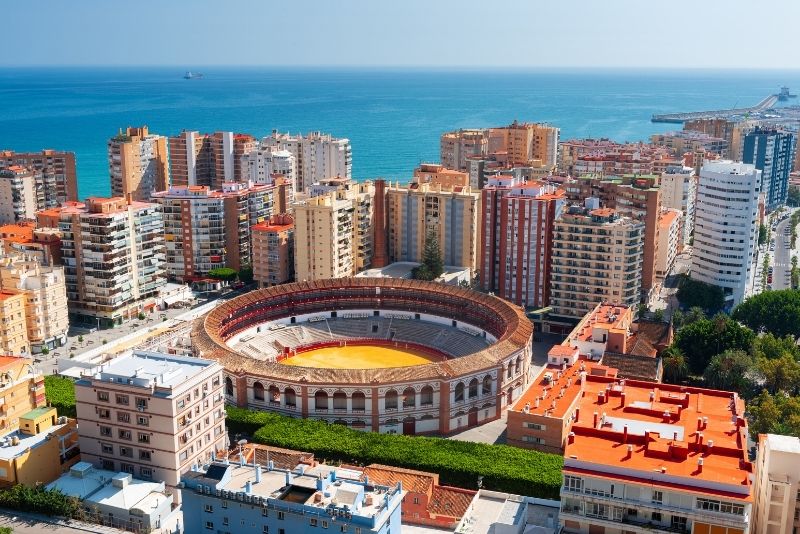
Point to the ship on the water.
(192, 75)
(785, 94)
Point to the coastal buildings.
(44, 289)
(113, 254)
(776, 508)
(419, 209)
(17, 195)
(206, 228)
(679, 191)
(597, 257)
(726, 226)
(333, 231)
(137, 163)
(602, 156)
(772, 152)
(319, 156)
(42, 244)
(208, 159)
(633, 195)
(264, 162)
(521, 144)
(151, 415)
(59, 176)
(13, 325)
(516, 229)
(690, 141)
(435, 174)
(669, 241)
(273, 250)
(302, 500)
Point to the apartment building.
(602, 156)
(456, 147)
(632, 195)
(669, 241)
(206, 228)
(113, 254)
(516, 239)
(642, 457)
(451, 214)
(772, 152)
(776, 495)
(273, 250)
(597, 257)
(726, 226)
(264, 162)
(138, 163)
(333, 232)
(679, 191)
(41, 244)
(208, 159)
(59, 177)
(690, 141)
(18, 201)
(730, 130)
(13, 323)
(436, 174)
(44, 289)
(319, 156)
(305, 500)
(152, 415)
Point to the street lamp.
(98, 323)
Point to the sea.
(393, 117)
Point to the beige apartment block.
(669, 241)
(46, 310)
(318, 156)
(59, 175)
(776, 496)
(435, 174)
(13, 324)
(17, 195)
(456, 147)
(151, 415)
(333, 230)
(137, 162)
(451, 214)
(597, 257)
(273, 251)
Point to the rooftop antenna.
(242, 443)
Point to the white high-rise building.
(265, 161)
(726, 226)
(679, 191)
(319, 156)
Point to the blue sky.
(429, 33)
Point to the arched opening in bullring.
(409, 398)
(340, 400)
(274, 394)
(359, 401)
(473, 388)
(290, 397)
(258, 391)
(321, 400)
(228, 386)
(390, 400)
(458, 395)
(487, 385)
(426, 396)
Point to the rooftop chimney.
(258, 474)
(700, 465)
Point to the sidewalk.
(25, 523)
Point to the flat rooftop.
(26, 441)
(148, 369)
(628, 428)
(93, 485)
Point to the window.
(141, 403)
(108, 464)
(573, 483)
(209, 509)
(124, 434)
(224, 504)
(225, 521)
(103, 413)
(281, 516)
(122, 399)
(142, 421)
(658, 497)
(343, 528)
(264, 512)
(677, 522)
(123, 417)
(144, 438)
(102, 396)
(656, 516)
(594, 509)
(144, 455)
(105, 431)
(313, 522)
(146, 472)
(126, 452)
(209, 525)
(106, 448)
(126, 468)
(324, 524)
(265, 530)
(459, 392)
(535, 426)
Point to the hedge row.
(60, 393)
(39, 501)
(459, 463)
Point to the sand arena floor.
(359, 357)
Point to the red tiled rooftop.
(414, 481)
(602, 212)
(448, 501)
(667, 218)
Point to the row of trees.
(753, 352)
(226, 274)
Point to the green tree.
(731, 371)
(694, 314)
(775, 414)
(777, 312)
(246, 274)
(695, 293)
(658, 315)
(225, 274)
(794, 196)
(678, 319)
(779, 374)
(432, 264)
(762, 234)
(676, 368)
(772, 347)
(706, 337)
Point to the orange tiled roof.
(447, 501)
(413, 481)
(667, 218)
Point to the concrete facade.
(138, 163)
(59, 176)
(17, 195)
(776, 496)
(273, 251)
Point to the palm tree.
(676, 367)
